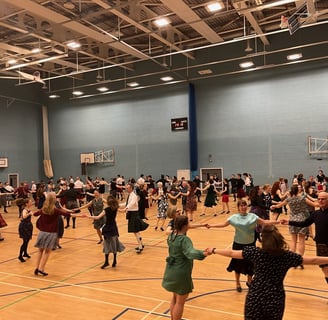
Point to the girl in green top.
(177, 276)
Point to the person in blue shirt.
(245, 224)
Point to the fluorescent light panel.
(133, 84)
(102, 89)
(162, 22)
(214, 6)
(77, 93)
(205, 72)
(246, 64)
(294, 56)
(167, 78)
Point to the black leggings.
(23, 248)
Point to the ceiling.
(121, 45)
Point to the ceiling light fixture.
(69, 5)
(214, 6)
(73, 45)
(21, 65)
(167, 78)
(12, 61)
(294, 56)
(102, 89)
(205, 72)
(246, 64)
(162, 22)
(54, 96)
(36, 50)
(133, 84)
(77, 93)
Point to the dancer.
(47, 223)
(266, 295)
(210, 199)
(110, 231)
(225, 197)
(179, 264)
(320, 220)
(3, 224)
(25, 228)
(135, 224)
(299, 211)
(191, 202)
(96, 207)
(162, 205)
(245, 225)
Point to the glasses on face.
(322, 199)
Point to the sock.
(138, 240)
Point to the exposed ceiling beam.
(139, 26)
(241, 5)
(57, 18)
(190, 17)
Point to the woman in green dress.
(177, 276)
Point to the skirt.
(46, 240)
(113, 245)
(135, 224)
(241, 265)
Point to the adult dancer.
(266, 296)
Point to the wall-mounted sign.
(179, 124)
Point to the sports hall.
(255, 120)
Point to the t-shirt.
(245, 227)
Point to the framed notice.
(3, 162)
(179, 124)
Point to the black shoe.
(59, 246)
(5, 211)
(1, 239)
(138, 250)
(67, 227)
(99, 242)
(162, 229)
(43, 273)
(114, 264)
(21, 259)
(106, 264)
(36, 271)
(156, 228)
(26, 256)
(239, 289)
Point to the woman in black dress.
(266, 295)
(25, 227)
(110, 231)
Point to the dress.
(266, 295)
(179, 264)
(191, 204)
(97, 208)
(110, 233)
(25, 228)
(299, 211)
(244, 236)
(162, 205)
(210, 200)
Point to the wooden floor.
(76, 287)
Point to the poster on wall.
(179, 124)
(3, 162)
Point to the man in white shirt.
(135, 224)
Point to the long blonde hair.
(49, 204)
